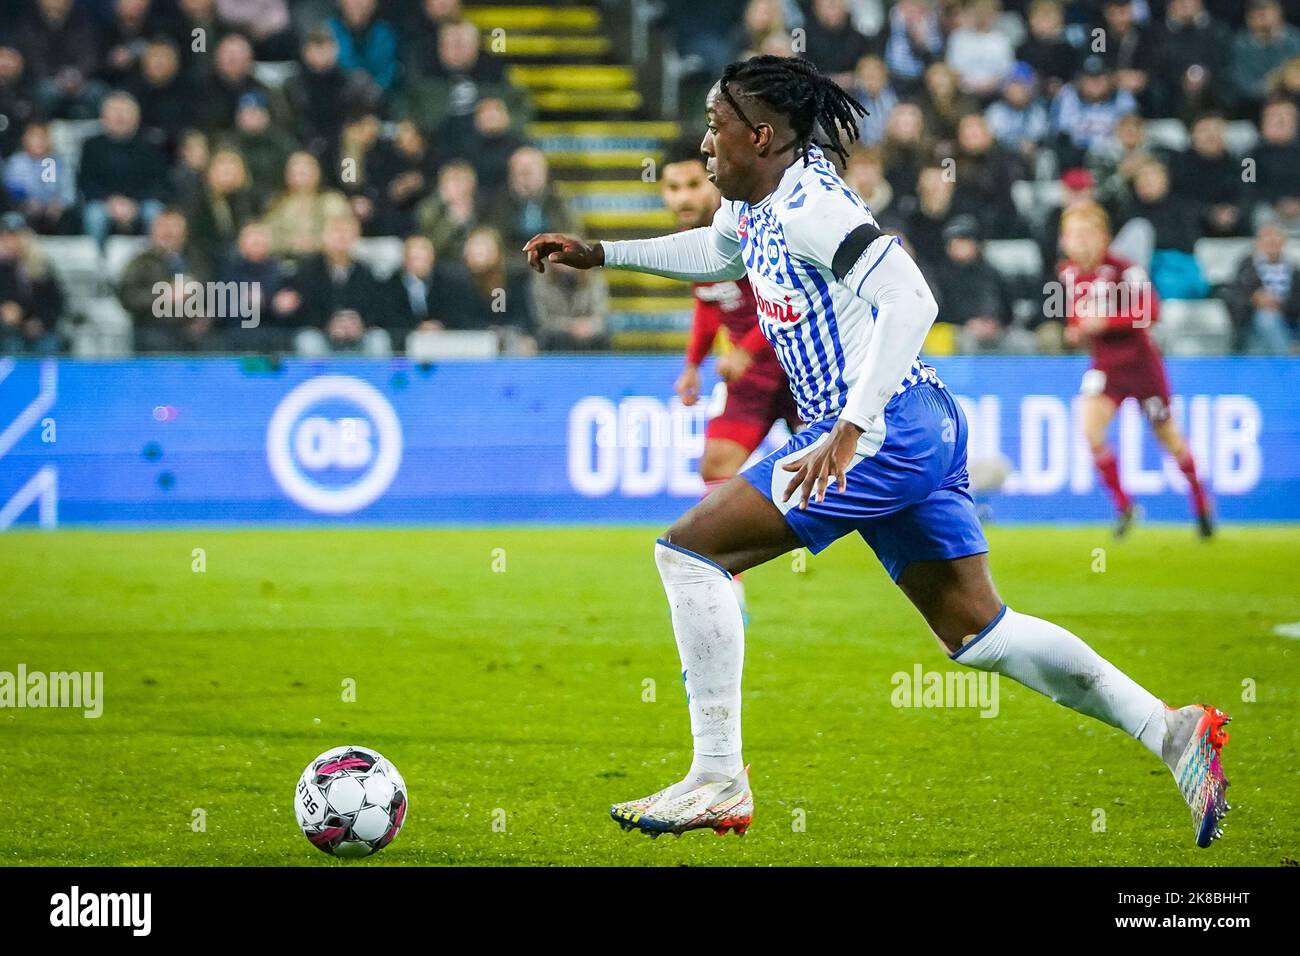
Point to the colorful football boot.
(1193, 749)
(718, 805)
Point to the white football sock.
(1052, 661)
(711, 642)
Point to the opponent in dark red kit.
(1112, 306)
(758, 393)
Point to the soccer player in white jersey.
(884, 453)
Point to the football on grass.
(350, 801)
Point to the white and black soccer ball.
(350, 801)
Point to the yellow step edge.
(560, 100)
(630, 160)
(533, 18)
(619, 281)
(650, 221)
(576, 85)
(569, 76)
(587, 187)
(659, 129)
(524, 45)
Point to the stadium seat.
(106, 332)
(1194, 327)
(1014, 257)
(1241, 137)
(445, 346)
(1034, 200)
(76, 264)
(383, 254)
(275, 74)
(67, 137)
(1219, 258)
(1168, 134)
(120, 250)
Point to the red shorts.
(1143, 381)
(753, 406)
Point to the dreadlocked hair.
(801, 93)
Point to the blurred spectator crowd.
(361, 165)
(987, 117)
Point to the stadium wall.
(557, 439)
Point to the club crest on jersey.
(777, 311)
(773, 251)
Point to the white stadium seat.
(444, 346)
(275, 73)
(120, 250)
(383, 254)
(75, 262)
(67, 137)
(1194, 327)
(1167, 134)
(107, 331)
(1241, 137)
(1034, 199)
(1219, 258)
(1014, 256)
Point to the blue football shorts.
(907, 493)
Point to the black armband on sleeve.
(851, 249)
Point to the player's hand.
(734, 364)
(566, 250)
(815, 472)
(688, 385)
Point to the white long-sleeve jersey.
(843, 305)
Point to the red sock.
(1108, 467)
(1187, 465)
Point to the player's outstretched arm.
(706, 254)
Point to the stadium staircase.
(592, 121)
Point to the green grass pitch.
(510, 688)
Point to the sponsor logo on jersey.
(777, 311)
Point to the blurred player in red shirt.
(1111, 306)
(758, 394)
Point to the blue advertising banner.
(561, 439)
